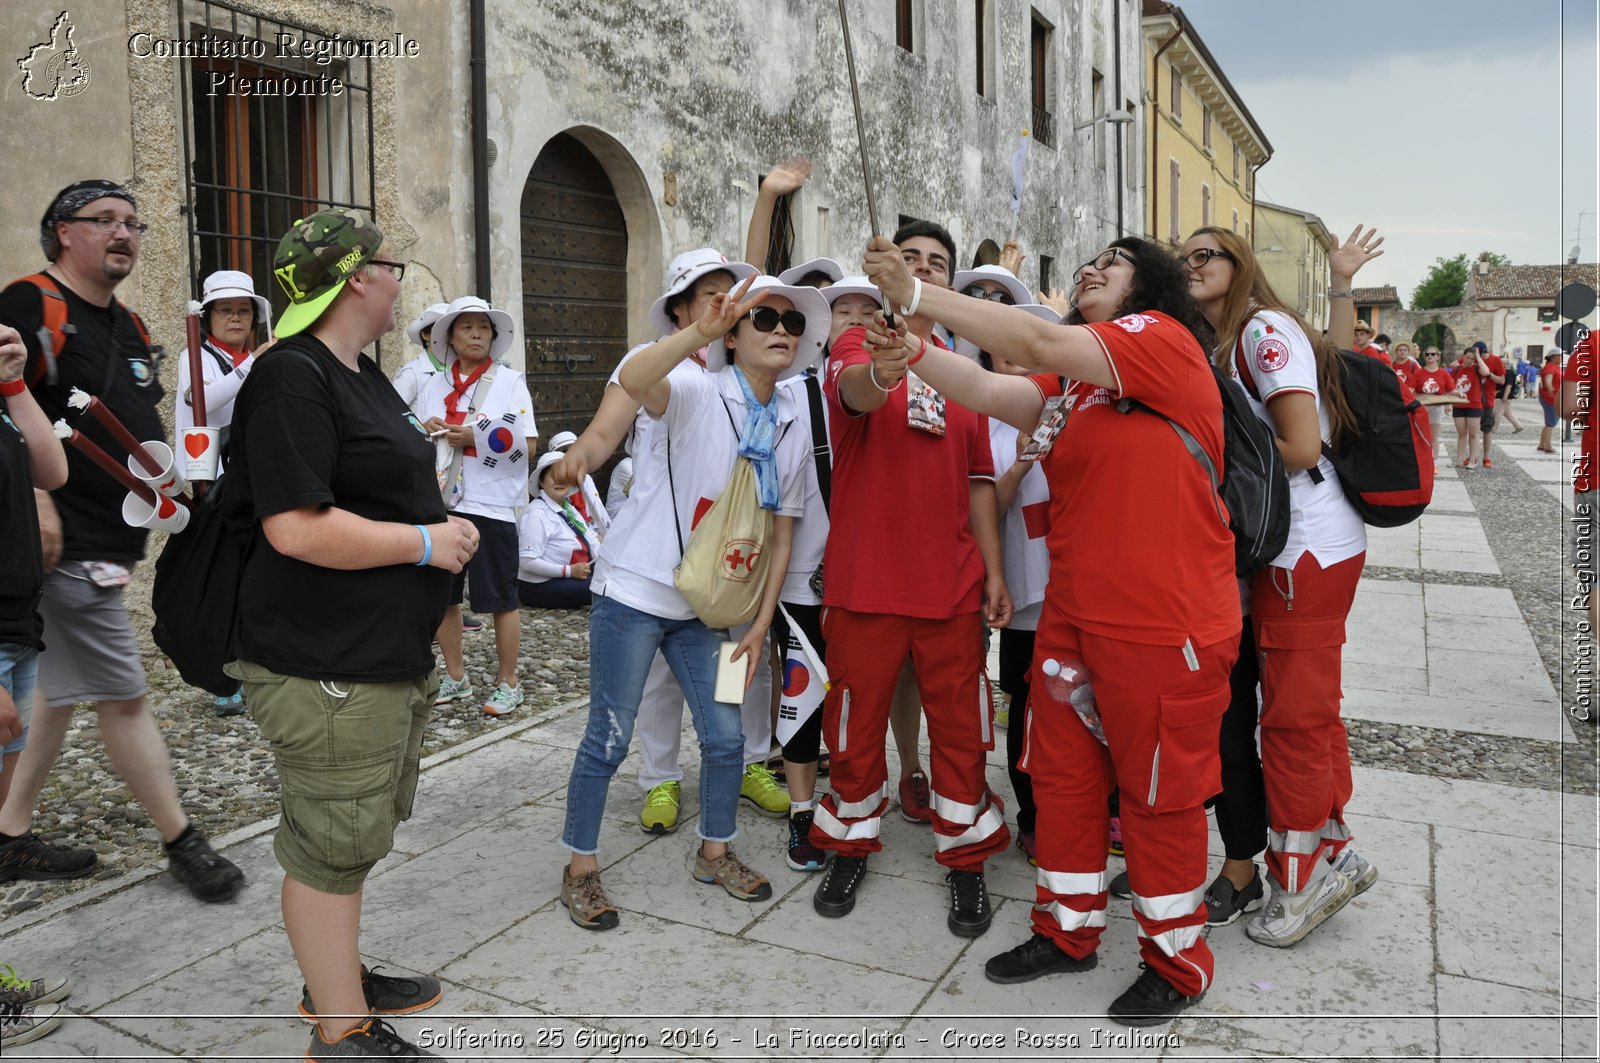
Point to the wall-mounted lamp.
(1117, 117)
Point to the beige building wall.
(1292, 249)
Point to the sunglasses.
(998, 295)
(1197, 258)
(765, 319)
(1102, 262)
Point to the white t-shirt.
(1022, 530)
(485, 494)
(546, 541)
(811, 530)
(222, 382)
(1280, 360)
(703, 417)
(412, 378)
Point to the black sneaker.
(387, 994)
(970, 910)
(1034, 958)
(470, 624)
(1121, 887)
(1224, 904)
(1150, 1001)
(836, 894)
(194, 863)
(29, 857)
(373, 1039)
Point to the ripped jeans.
(622, 642)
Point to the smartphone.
(730, 675)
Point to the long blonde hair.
(1248, 294)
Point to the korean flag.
(805, 681)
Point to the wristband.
(915, 358)
(872, 375)
(1332, 294)
(427, 545)
(916, 298)
(566, 571)
(13, 387)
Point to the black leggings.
(565, 593)
(1016, 658)
(805, 745)
(1242, 805)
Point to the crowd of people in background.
(931, 455)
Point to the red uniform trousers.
(865, 655)
(1161, 708)
(1299, 619)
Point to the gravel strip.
(1431, 575)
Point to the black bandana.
(74, 198)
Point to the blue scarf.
(759, 440)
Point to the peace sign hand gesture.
(725, 310)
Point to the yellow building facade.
(1292, 248)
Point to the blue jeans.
(622, 641)
(19, 675)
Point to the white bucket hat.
(439, 338)
(968, 349)
(232, 284)
(819, 318)
(1018, 291)
(684, 271)
(428, 317)
(852, 286)
(562, 440)
(793, 274)
(547, 459)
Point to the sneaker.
(1224, 903)
(1028, 842)
(453, 689)
(731, 873)
(1357, 868)
(20, 1026)
(233, 705)
(193, 862)
(17, 992)
(374, 1039)
(1466, 464)
(1121, 887)
(470, 624)
(970, 910)
(660, 812)
(761, 791)
(1288, 917)
(1487, 464)
(836, 894)
(1035, 958)
(1150, 1001)
(586, 901)
(28, 857)
(386, 994)
(915, 806)
(506, 698)
(803, 856)
(1002, 714)
(1114, 846)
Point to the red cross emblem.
(739, 563)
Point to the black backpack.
(195, 597)
(1385, 465)
(1254, 485)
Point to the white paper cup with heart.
(198, 447)
(169, 481)
(165, 515)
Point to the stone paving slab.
(1480, 1019)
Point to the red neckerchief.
(238, 354)
(578, 504)
(453, 414)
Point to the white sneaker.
(1357, 868)
(506, 698)
(453, 689)
(1288, 917)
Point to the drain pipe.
(1155, 127)
(480, 153)
(1116, 79)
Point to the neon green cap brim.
(301, 316)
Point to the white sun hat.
(428, 317)
(793, 274)
(819, 319)
(1018, 291)
(233, 284)
(439, 338)
(968, 349)
(681, 274)
(852, 286)
(562, 440)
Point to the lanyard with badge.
(924, 406)
(1052, 419)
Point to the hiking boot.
(1120, 886)
(18, 992)
(970, 910)
(232, 705)
(914, 803)
(836, 894)
(1150, 1001)
(586, 902)
(386, 994)
(193, 862)
(1357, 868)
(373, 1039)
(761, 791)
(803, 856)
(29, 857)
(1288, 917)
(728, 871)
(453, 689)
(1034, 958)
(660, 812)
(1224, 903)
(20, 1026)
(470, 624)
(1028, 842)
(1114, 846)
(506, 698)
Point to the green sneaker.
(762, 791)
(453, 689)
(660, 812)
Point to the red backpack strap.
(54, 328)
(138, 323)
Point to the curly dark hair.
(1161, 283)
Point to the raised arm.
(1012, 399)
(644, 377)
(781, 180)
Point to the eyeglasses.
(995, 295)
(765, 319)
(1430, 354)
(238, 311)
(1198, 258)
(108, 226)
(1102, 262)
(397, 268)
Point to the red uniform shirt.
(1468, 384)
(1490, 388)
(1431, 382)
(1550, 382)
(1137, 550)
(900, 538)
(1580, 371)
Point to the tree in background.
(1446, 282)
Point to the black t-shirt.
(309, 431)
(90, 502)
(22, 570)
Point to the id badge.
(1051, 421)
(924, 406)
(107, 574)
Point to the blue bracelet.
(427, 544)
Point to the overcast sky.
(1452, 125)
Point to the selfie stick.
(861, 139)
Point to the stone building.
(1522, 300)
(553, 156)
(1379, 307)
(1292, 248)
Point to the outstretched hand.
(885, 268)
(787, 176)
(725, 310)
(1359, 248)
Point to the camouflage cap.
(316, 257)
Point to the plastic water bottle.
(1066, 680)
